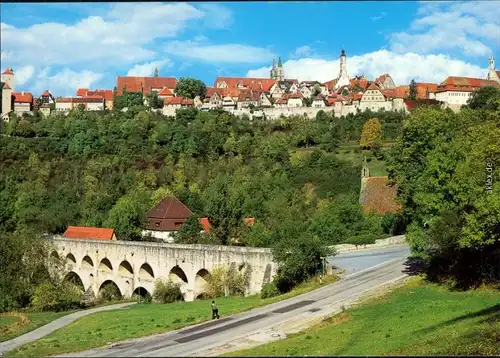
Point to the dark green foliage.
(189, 232)
(413, 90)
(393, 224)
(441, 165)
(167, 292)
(61, 297)
(269, 290)
(485, 98)
(190, 88)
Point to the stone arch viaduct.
(135, 266)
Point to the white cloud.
(24, 74)
(302, 51)
(216, 16)
(63, 83)
(119, 37)
(402, 67)
(227, 53)
(462, 26)
(147, 69)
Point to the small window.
(178, 225)
(157, 224)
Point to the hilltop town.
(269, 98)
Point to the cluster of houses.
(276, 94)
(164, 220)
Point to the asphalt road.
(371, 268)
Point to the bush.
(167, 292)
(226, 282)
(269, 290)
(393, 224)
(62, 297)
(109, 292)
(362, 239)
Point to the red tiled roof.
(22, 97)
(465, 84)
(382, 78)
(106, 94)
(188, 102)
(249, 221)
(87, 232)
(212, 90)
(174, 100)
(8, 71)
(379, 197)
(134, 84)
(82, 92)
(253, 83)
(205, 224)
(359, 82)
(498, 73)
(165, 92)
(373, 86)
(46, 93)
(330, 84)
(170, 208)
(357, 96)
(282, 101)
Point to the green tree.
(413, 90)
(190, 231)
(156, 74)
(190, 88)
(372, 134)
(485, 98)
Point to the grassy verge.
(141, 320)
(14, 324)
(417, 319)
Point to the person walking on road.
(215, 310)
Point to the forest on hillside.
(108, 169)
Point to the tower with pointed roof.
(273, 70)
(493, 75)
(8, 78)
(280, 71)
(6, 88)
(343, 78)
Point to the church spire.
(280, 64)
(492, 63)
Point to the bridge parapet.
(134, 266)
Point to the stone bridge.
(134, 266)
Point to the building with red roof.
(144, 84)
(454, 92)
(89, 233)
(90, 103)
(105, 94)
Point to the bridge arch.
(141, 291)
(146, 272)
(87, 263)
(54, 255)
(177, 275)
(125, 269)
(105, 265)
(201, 283)
(70, 259)
(109, 290)
(75, 279)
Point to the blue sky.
(63, 46)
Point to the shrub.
(362, 239)
(393, 224)
(269, 290)
(50, 297)
(167, 292)
(369, 159)
(225, 281)
(109, 292)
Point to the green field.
(13, 324)
(141, 320)
(347, 152)
(417, 319)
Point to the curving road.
(364, 271)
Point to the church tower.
(280, 71)
(493, 75)
(343, 78)
(273, 70)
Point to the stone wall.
(131, 265)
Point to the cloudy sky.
(63, 46)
